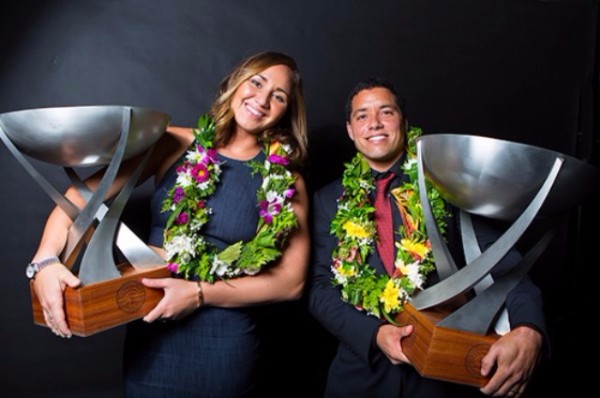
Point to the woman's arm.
(51, 281)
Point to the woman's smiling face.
(262, 100)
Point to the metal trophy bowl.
(85, 136)
(496, 179)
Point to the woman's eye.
(255, 82)
(279, 98)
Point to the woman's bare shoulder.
(180, 133)
(171, 146)
(175, 139)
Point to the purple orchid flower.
(178, 195)
(268, 210)
(288, 193)
(278, 159)
(182, 218)
(173, 267)
(200, 173)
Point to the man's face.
(375, 126)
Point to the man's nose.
(374, 123)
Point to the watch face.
(30, 270)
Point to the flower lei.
(187, 252)
(354, 227)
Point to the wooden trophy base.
(100, 306)
(441, 353)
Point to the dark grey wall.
(522, 70)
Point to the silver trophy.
(497, 179)
(86, 136)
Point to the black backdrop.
(522, 70)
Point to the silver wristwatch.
(35, 267)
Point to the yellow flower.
(347, 272)
(355, 230)
(416, 249)
(389, 297)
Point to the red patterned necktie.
(384, 223)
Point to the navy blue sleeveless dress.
(213, 352)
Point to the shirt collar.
(396, 169)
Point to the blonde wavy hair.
(291, 128)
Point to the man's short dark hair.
(371, 83)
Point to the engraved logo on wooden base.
(474, 357)
(131, 296)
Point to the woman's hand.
(49, 285)
(181, 298)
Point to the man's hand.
(514, 356)
(389, 341)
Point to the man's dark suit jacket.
(359, 368)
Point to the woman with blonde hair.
(229, 215)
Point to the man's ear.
(350, 131)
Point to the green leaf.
(231, 253)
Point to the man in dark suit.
(370, 361)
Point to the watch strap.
(34, 267)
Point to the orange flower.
(274, 147)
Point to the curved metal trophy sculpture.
(83, 137)
(496, 179)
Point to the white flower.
(184, 180)
(399, 263)
(287, 148)
(205, 185)
(273, 197)
(219, 267)
(265, 182)
(194, 156)
(409, 164)
(181, 245)
(278, 176)
(339, 278)
(344, 206)
(365, 241)
(412, 273)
